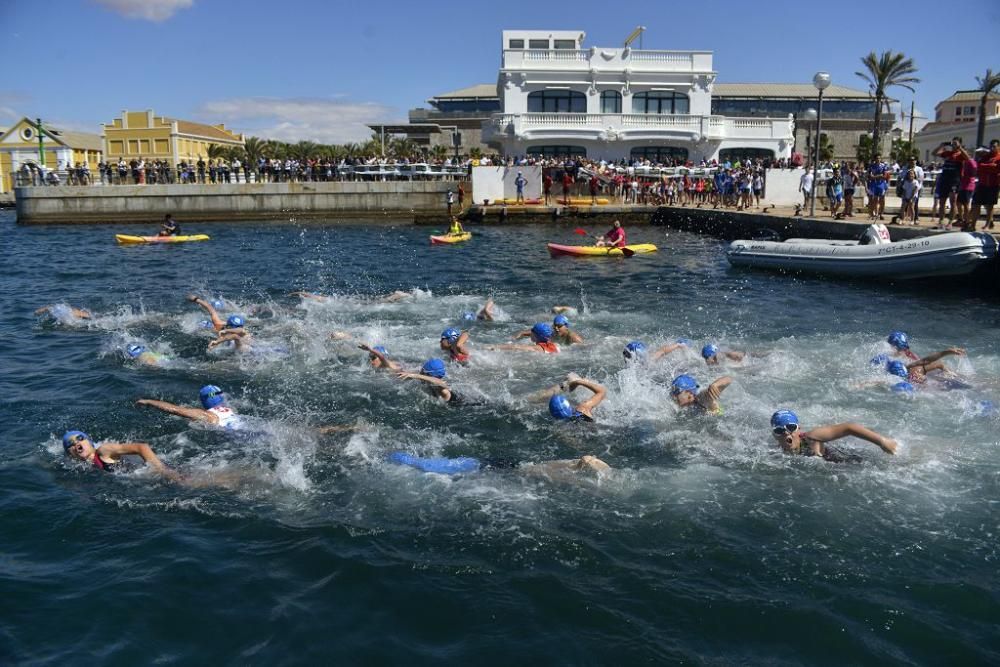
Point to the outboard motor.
(876, 234)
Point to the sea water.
(704, 544)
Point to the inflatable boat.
(873, 256)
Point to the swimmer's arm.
(217, 321)
(522, 334)
(462, 340)
(141, 449)
(309, 295)
(423, 378)
(665, 350)
(837, 431)
(733, 355)
(388, 363)
(599, 392)
(515, 346)
(575, 337)
(716, 388)
(224, 337)
(931, 358)
(195, 414)
(559, 310)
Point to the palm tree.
(883, 72)
(987, 85)
(253, 149)
(826, 148)
(439, 151)
(215, 151)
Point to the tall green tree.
(866, 149)
(216, 151)
(883, 72)
(253, 149)
(987, 84)
(903, 150)
(825, 148)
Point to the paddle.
(581, 232)
(627, 252)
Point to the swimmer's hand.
(144, 401)
(888, 445)
(340, 335)
(364, 346)
(403, 375)
(192, 298)
(957, 351)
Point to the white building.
(560, 98)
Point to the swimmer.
(541, 336)
(564, 310)
(684, 390)
(212, 308)
(486, 312)
(560, 332)
(235, 332)
(918, 370)
(900, 343)
(634, 351)
(433, 374)
(710, 353)
(107, 456)
(309, 295)
(561, 408)
(213, 411)
(379, 359)
(141, 355)
(453, 342)
(468, 464)
(786, 432)
(61, 311)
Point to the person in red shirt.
(988, 186)
(567, 182)
(547, 187)
(593, 189)
(614, 238)
(946, 189)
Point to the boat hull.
(447, 239)
(126, 239)
(943, 255)
(557, 250)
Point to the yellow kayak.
(125, 239)
(557, 250)
(450, 238)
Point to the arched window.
(557, 101)
(558, 151)
(660, 102)
(660, 154)
(611, 101)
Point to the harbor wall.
(397, 200)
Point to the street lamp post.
(822, 82)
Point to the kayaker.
(213, 410)
(378, 357)
(453, 342)
(615, 237)
(433, 374)
(684, 390)
(169, 227)
(792, 440)
(107, 456)
(541, 336)
(456, 227)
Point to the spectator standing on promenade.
(449, 200)
(918, 178)
(519, 183)
(201, 170)
(567, 183)
(966, 187)
(985, 194)
(954, 155)
(593, 189)
(805, 186)
(835, 192)
(878, 185)
(236, 166)
(850, 176)
(547, 187)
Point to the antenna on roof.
(639, 29)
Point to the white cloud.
(327, 121)
(148, 10)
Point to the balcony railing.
(608, 59)
(709, 127)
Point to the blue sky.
(308, 69)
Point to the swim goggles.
(787, 428)
(78, 438)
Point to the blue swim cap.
(879, 360)
(560, 321)
(903, 388)
(211, 396)
(634, 349)
(235, 321)
(561, 408)
(135, 350)
(69, 436)
(683, 383)
(899, 340)
(434, 367)
(381, 350)
(784, 418)
(451, 335)
(205, 324)
(709, 351)
(986, 409)
(897, 368)
(687, 342)
(468, 315)
(218, 304)
(541, 332)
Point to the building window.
(611, 101)
(557, 101)
(970, 111)
(743, 154)
(958, 111)
(515, 44)
(564, 43)
(660, 154)
(558, 151)
(660, 103)
(538, 44)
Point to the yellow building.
(141, 134)
(19, 147)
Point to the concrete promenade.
(231, 202)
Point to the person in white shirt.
(806, 186)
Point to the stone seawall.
(397, 200)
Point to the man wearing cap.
(985, 194)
